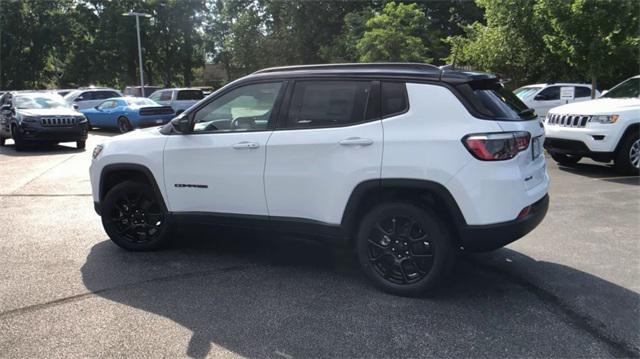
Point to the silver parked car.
(179, 99)
(90, 97)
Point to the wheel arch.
(633, 127)
(113, 174)
(424, 193)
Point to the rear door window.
(582, 91)
(190, 95)
(329, 103)
(549, 94)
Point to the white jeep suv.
(408, 162)
(604, 129)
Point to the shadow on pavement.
(279, 297)
(603, 171)
(40, 150)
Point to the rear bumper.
(58, 134)
(482, 238)
(574, 147)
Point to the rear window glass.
(190, 95)
(394, 99)
(491, 99)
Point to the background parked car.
(179, 99)
(136, 92)
(127, 113)
(63, 92)
(29, 117)
(543, 97)
(91, 97)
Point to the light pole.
(137, 15)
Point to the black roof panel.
(418, 71)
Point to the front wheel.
(134, 217)
(627, 159)
(404, 249)
(565, 160)
(81, 144)
(17, 138)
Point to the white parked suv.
(606, 129)
(543, 97)
(84, 98)
(408, 162)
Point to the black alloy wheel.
(134, 218)
(400, 250)
(404, 249)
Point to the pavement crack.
(619, 347)
(82, 296)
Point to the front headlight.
(604, 118)
(82, 119)
(97, 150)
(29, 119)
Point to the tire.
(134, 218)
(2, 140)
(627, 157)
(565, 160)
(410, 259)
(124, 125)
(81, 144)
(17, 138)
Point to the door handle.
(356, 141)
(245, 145)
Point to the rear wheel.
(565, 160)
(2, 139)
(134, 217)
(404, 249)
(124, 125)
(627, 159)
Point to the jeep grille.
(58, 121)
(568, 120)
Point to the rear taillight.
(496, 146)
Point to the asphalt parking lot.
(571, 288)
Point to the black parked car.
(30, 117)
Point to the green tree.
(599, 37)
(396, 34)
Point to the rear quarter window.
(394, 98)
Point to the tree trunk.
(593, 87)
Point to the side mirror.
(540, 98)
(97, 108)
(78, 99)
(181, 124)
(6, 108)
(75, 107)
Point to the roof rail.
(372, 65)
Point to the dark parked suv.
(30, 117)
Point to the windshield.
(141, 101)
(39, 102)
(71, 95)
(527, 91)
(629, 88)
